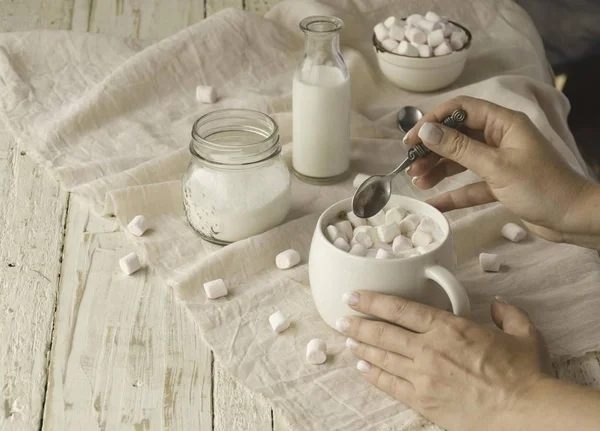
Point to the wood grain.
(124, 353)
(31, 234)
(23, 15)
(145, 19)
(214, 6)
(260, 6)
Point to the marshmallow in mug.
(420, 36)
(393, 233)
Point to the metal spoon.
(375, 192)
(408, 117)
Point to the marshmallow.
(387, 232)
(425, 51)
(130, 263)
(401, 244)
(206, 94)
(138, 225)
(381, 32)
(409, 253)
(438, 235)
(370, 230)
(458, 39)
(364, 239)
(356, 220)
(359, 179)
(371, 253)
(395, 215)
(405, 48)
(447, 28)
(345, 228)
(443, 49)
(390, 21)
(397, 32)
(416, 35)
(279, 322)
(287, 259)
(410, 223)
(377, 219)
(342, 244)
(215, 289)
(428, 26)
(428, 225)
(332, 233)
(378, 245)
(490, 262)
(421, 239)
(435, 38)
(414, 19)
(358, 250)
(390, 44)
(432, 16)
(513, 232)
(383, 254)
(316, 352)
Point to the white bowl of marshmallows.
(422, 52)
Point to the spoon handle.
(453, 121)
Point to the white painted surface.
(117, 351)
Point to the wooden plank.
(235, 407)
(31, 237)
(145, 19)
(23, 15)
(260, 6)
(124, 354)
(214, 6)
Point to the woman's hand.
(459, 375)
(518, 166)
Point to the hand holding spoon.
(375, 192)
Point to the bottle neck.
(322, 47)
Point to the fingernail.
(500, 299)
(405, 139)
(431, 133)
(409, 169)
(351, 298)
(352, 344)
(363, 366)
(342, 324)
(414, 180)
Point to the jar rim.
(217, 153)
(329, 24)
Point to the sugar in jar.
(237, 184)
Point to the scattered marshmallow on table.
(390, 44)
(345, 228)
(381, 32)
(443, 49)
(130, 263)
(513, 232)
(389, 22)
(356, 220)
(287, 259)
(316, 351)
(206, 94)
(358, 250)
(406, 48)
(279, 322)
(215, 289)
(401, 244)
(388, 231)
(342, 244)
(359, 179)
(490, 262)
(383, 254)
(138, 225)
(421, 239)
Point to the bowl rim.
(321, 226)
(380, 49)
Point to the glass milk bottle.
(321, 105)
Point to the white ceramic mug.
(425, 278)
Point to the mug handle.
(455, 291)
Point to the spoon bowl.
(408, 117)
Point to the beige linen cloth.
(112, 119)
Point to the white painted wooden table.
(79, 348)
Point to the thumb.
(454, 145)
(511, 319)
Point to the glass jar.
(237, 184)
(321, 105)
